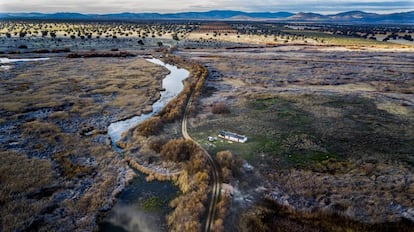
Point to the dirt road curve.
(215, 173)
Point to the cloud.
(164, 6)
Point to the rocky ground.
(330, 133)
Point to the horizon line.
(178, 12)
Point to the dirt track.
(215, 172)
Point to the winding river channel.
(172, 84)
(127, 214)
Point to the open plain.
(330, 135)
(329, 121)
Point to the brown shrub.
(192, 86)
(224, 158)
(156, 144)
(189, 206)
(178, 150)
(218, 225)
(151, 126)
(197, 162)
(59, 115)
(175, 108)
(220, 108)
(223, 206)
(226, 175)
(231, 165)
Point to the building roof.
(231, 134)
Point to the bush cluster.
(178, 150)
(230, 165)
(151, 126)
(193, 183)
(220, 108)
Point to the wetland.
(330, 127)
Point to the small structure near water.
(232, 136)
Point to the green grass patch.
(340, 102)
(293, 130)
(309, 157)
(155, 203)
(265, 103)
(152, 203)
(247, 151)
(284, 110)
(279, 118)
(271, 146)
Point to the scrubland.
(46, 37)
(88, 30)
(237, 35)
(330, 134)
(22, 37)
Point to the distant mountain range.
(345, 17)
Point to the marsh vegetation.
(328, 113)
(325, 141)
(57, 157)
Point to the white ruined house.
(232, 136)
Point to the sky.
(170, 6)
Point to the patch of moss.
(267, 145)
(308, 157)
(266, 102)
(152, 203)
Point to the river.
(4, 62)
(128, 213)
(172, 84)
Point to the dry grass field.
(330, 133)
(269, 35)
(84, 86)
(58, 170)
